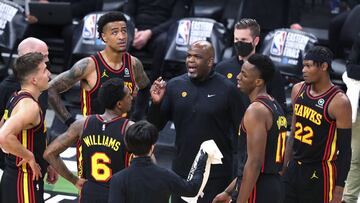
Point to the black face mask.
(48, 66)
(243, 48)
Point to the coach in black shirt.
(246, 38)
(203, 105)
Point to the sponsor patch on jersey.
(320, 103)
(127, 72)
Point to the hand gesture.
(52, 175)
(157, 90)
(222, 198)
(35, 167)
(80, 183)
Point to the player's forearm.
(288, 153)
(58, 164)
(57, 104)
(12, 145)
(250, 176)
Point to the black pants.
(94, 193)
(17, 186)
(309, 183)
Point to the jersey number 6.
(99, 170)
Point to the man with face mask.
(246, 38)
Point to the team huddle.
(261, 162)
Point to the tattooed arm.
(143, 82)
(141, 79)
(60, 144)
(65, 81)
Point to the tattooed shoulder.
(67, 79)
(141, 78)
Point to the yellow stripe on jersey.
(331, 172)
(25, 178)
(278, 148)
(80, 167)
(283, 144)
(6, 115)
(84, 110)
(26, 188)
(24, 143)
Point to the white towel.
(353, 90)
(214, 157)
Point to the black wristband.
(69, 121)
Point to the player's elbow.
(4, 141)
(48, 155)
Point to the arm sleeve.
(141, 103)
(344, 155)
(189, 188)
(180, 10)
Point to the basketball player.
(262, 138)
(318, 153)
(93, 71)
(99, 138)
(23, 135)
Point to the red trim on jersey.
(326, 182)
(318, 96)
(86, 122)
(112, 120)
(330, 138)
(92, 90)
(300, 90)
(124, 126)
(107, 66)
(31, 190)
(326, 114)
(132, 76)
(19, 187)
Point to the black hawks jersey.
(315, 137)
(101, 149)
(33, 139)
(275, 143)
(89, 102)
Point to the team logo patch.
(104, 74)
(229, 75)
(183, 94)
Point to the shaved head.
(32, 44)
(204, 45)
